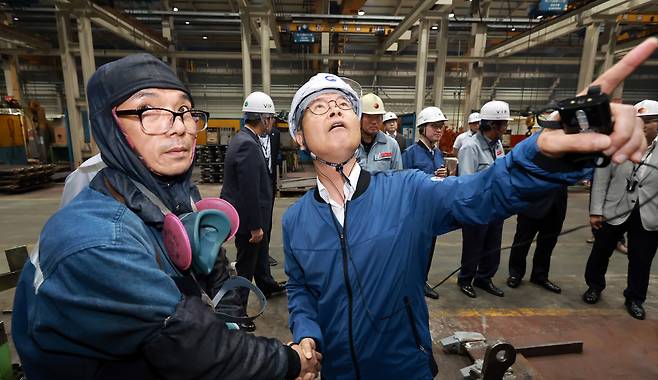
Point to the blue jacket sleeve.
(502, 190)
(407, 159)
(397, 155)
(302, 305)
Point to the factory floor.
(614, 344)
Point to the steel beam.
(14, 37)
(10, 68)
(476, 69)
(87, 60)
(168, 34)
(588, 58)
(421, 63)
(71, 88)
(611, 32)
(246, 58)
(410, 19)
(271, 22)
(265, 56)
(440, 62)
(565, 24)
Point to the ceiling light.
(187, 23)
(15, 18)
(361, 12)
(434, 27)
(513, 29)
(175, 9)
(205, 37)
(540, 17)
(451, 15)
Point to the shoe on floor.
(635, 309)
(591, 296)
(590, 240)
(467, 289)
(276, 289)
(621, 248)
(272, 261)
(548, 285)
(513, 282)
(489, 287)
(247, 326)
(431, 293)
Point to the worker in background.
(391, 126)
(481, 242)
(427, 157)
(101, 297)
(621, 201)
(248, 187)
(356, 245)
(473, 128)
(377, 152)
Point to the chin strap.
(338, 166)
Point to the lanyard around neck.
(156, 201)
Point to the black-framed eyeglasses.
(158, 121)
(320, 107)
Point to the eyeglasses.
(158, 121)
(320, 107)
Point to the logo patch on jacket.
(383, 156)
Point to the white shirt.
(348, 190)
(460, 139)
(266, 147)
(646, 158)
(80, 178)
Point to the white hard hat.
(429, 115)
(646, 108)
(473, 118)
(372, 105)
(258, 102)
(495, 110)
(390, 116)
(322, 83)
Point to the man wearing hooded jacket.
(355, 275)
(100, 298)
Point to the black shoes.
(431, 293)
(513, 282)
(546, 284)
(591, 296)
(489, 287)
(467, 289)
(276, 289)
(272, 261)
(247, 326)
(635, 309)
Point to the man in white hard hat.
(616, 189)
(473, 128)
(356, 246)
(391, 126)
(248, 186)
(425, 156)
(481, 243)
(377, 152)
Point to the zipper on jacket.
(348, 286)
(413, 324)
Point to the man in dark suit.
(544, 219)
(248, 186)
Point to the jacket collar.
(361, 186)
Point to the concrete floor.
(615, 345)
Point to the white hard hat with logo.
(372, 104)
(429, 115)
(646, 108)
(258, 102)
(474, 117)
(390, 116)
(322, 83)
(495, 110)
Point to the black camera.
(587, 113)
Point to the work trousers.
(480, 251)
(642, 245)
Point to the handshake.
(309, 358)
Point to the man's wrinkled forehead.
(158, 94)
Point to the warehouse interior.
(453, 54)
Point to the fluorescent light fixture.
(361, 12)
(452, 15)
(513, 29)
(205, 37)
(175, 9)
(15, 18)
(187, 23)
(434, 27)
(540, 17)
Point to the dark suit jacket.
(402, 142)
(247, 184)
(540, 208)
(275, 144)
